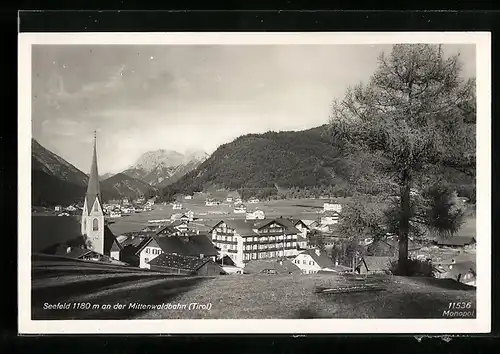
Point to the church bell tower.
(93, 215)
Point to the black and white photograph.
(256, 177)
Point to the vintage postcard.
(254, 182)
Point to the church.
(91, 240)
(98, 235)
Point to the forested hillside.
(284, 164)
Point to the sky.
(187, 97)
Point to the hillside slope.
(46, 161)
(55, 181)
(270, 160)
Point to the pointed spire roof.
(93, 189)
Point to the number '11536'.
(459, 305)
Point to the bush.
(412, 268)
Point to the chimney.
(202, 256)
(68, 250)
(318, 252)
(336, 262)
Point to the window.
(294, 244)
(95, 224)
(304, 262)
(147, 250)
(247, 256)
(310, 262)
(96, 206)
(254, 255)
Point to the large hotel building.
(246, 240)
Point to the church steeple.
(93, 221)
(93, 189)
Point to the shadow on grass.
(306, 313)
(156, 294)
(445, 284)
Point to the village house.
(211, 202)
(456, 241)
(256, 215)
(330, 218)
(253, 200)
(240, 209)
(188, 197)
(463, 271)
(187, 265)
(115, 214)
(313, 260)
(176, 206)
(301, 226)
(57, 208)
(178, 227)
(246, 240)
(192, 245)
(374, 265)
(229, 199)
(332, 207)
(71, 208)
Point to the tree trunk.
(404, 226)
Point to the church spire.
(93, 190)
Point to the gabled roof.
(179, 262)
(242, 227)
(167, 229)
(258, 266)
(457, 241)
(177, 223)
(110, 241)
(373, 263)
(330, 213)
(322, 260)
(298, 221)
(184, 245)
(287, 224)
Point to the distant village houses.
(256, 215)
(330, 218)
(332, 207)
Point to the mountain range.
(160, 168)
(291, 163)
(56, 181)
